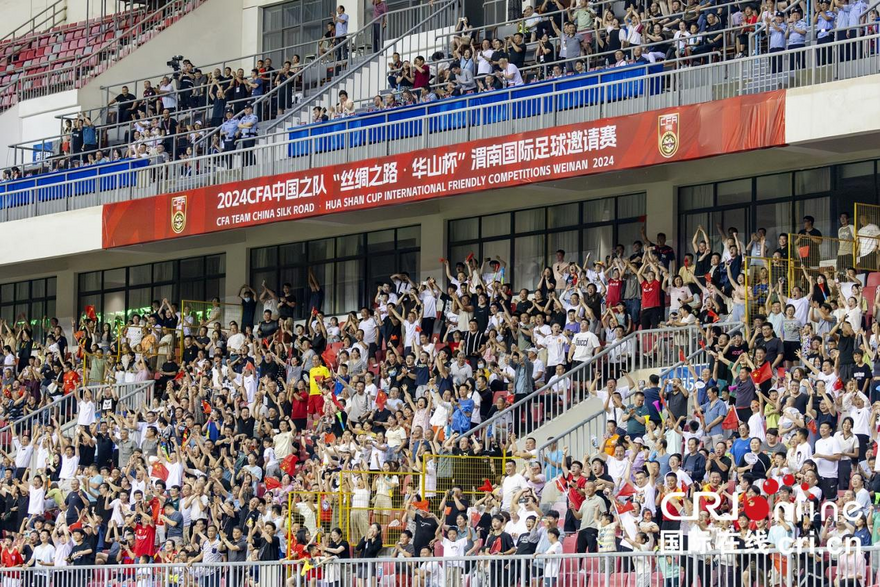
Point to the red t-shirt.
(651, 293)
(11, 558)
(613, 292)
(70, 380)
(299, 410)
(144, 540)
(575, 497)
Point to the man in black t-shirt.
(516, 50)
(427, 526)
(126, 102)
(810, 245)
(82, 553)
(861, 372)
(286, 302)
(717, 462)
(267, 327)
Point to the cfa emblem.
(178, 214)
(667, 134)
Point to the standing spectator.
(380, 23)
(247, 133)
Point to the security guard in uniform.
(247, 134)
(228, 132)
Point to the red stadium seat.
(873, 279)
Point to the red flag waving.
(159, 471)
(381, 398)
(421, 505)
(811, 426)
(486, 487)
(731, 422)
(681, 356)
(626, 490)
(762, 373)
(288, 465)
(91, 314)
(622, 508)
(272, 483)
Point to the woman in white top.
(849, 450)
(679, 294)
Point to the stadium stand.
(678, 410)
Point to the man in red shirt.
(652, 292)
(144, 534)
(299, 412)
(11, 557)
(574, 487)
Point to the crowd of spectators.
(247, 410)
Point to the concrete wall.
(17, 12)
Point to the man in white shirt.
(800, 452)
(583, 344)
(555, 345)
(538, 369)
(512, 483)
(509, 73)
(826, 456)
(24, 450)
(44, 554)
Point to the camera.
(174, 62)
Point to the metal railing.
(716, 561)
(431, 17)
(76, 75)
(638, 350)
(51, 16)
(64, 409)
(286, 151)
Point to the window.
(527, 240)
(294, 28)
(118, 294)
(776, 202)
(348, 268)
(34, 298)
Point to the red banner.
(676, 134)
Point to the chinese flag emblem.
(178, 214)
(667, 134)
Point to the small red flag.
(75, 526)
(762, 373)
(811, 426)
(486, 487)
(421, 505)
(681, 356)
(288, 465)
(702, 344)
(91, 314)
(509, 398)
(731, 421)
(711, 314)
(159, 471)
(804, 251)
(381, 399)
(470, 257)
(627, 490)
(622, 508)
(272, 483)
(179, 376)
(780, 372)
(708, 277)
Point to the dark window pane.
(258, 277)
(496, 225)
(293, 254)
(51, 286)
(7, 313)
(215, 265)
(139, 301)
(770, 187)
(734, 192)
(192, 268)
(410, 263)
(564, 215)
(192, 290)
(464, 230)
(380, 268)
(322, 250)
(350, 246)
(530, 220)
(23, 290)
(114, 279)
(87, 282)
(38, 288)
(855, 183)
(50, 308)
(631, 206)
(163, 272)
(409, 237)
(140, 275)
(812, 181)
(695, 197)
(381, 241)
(214, 288)
(265, 257)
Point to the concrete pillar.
(65, 298)
(236, 271)
(433, 248)
(660, 207)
